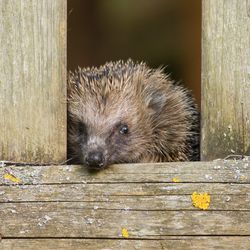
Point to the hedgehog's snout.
(95, 159)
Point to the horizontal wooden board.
(71, 219)
(215, 171)
(68, 207)
(140, 196)
(177, 243)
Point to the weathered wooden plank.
(72, 220)
(70, 202)
(129, 197)
(177, 243)
(33, 80)
(225, 105)
(212, 172)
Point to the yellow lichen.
(242, 177)
(201, 200)
(11, 178)
(175, 179)
(124, 233)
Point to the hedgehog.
(127, 112)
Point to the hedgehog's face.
(99, 148)
(113, 120)
(116, 133)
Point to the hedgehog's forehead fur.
(113, 77)
(105, 95)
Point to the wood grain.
(71, 219)
(33, 80)
(177, 243)
(225, 106)
(58, 202)
(140, 196)
(222, 171)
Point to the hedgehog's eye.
(123, 129)
(82, 129)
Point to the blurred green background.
(159, 32)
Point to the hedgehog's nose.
(95, 159)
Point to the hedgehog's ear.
(155, 99)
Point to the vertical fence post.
(33, 80)
(225, 107)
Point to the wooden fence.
(139, 206)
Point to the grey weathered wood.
(225, 106)
(222, 171)
(106, 201)
(172, 196)
(33, 80)
(177, 243)
(69, 201)
(71, 219)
